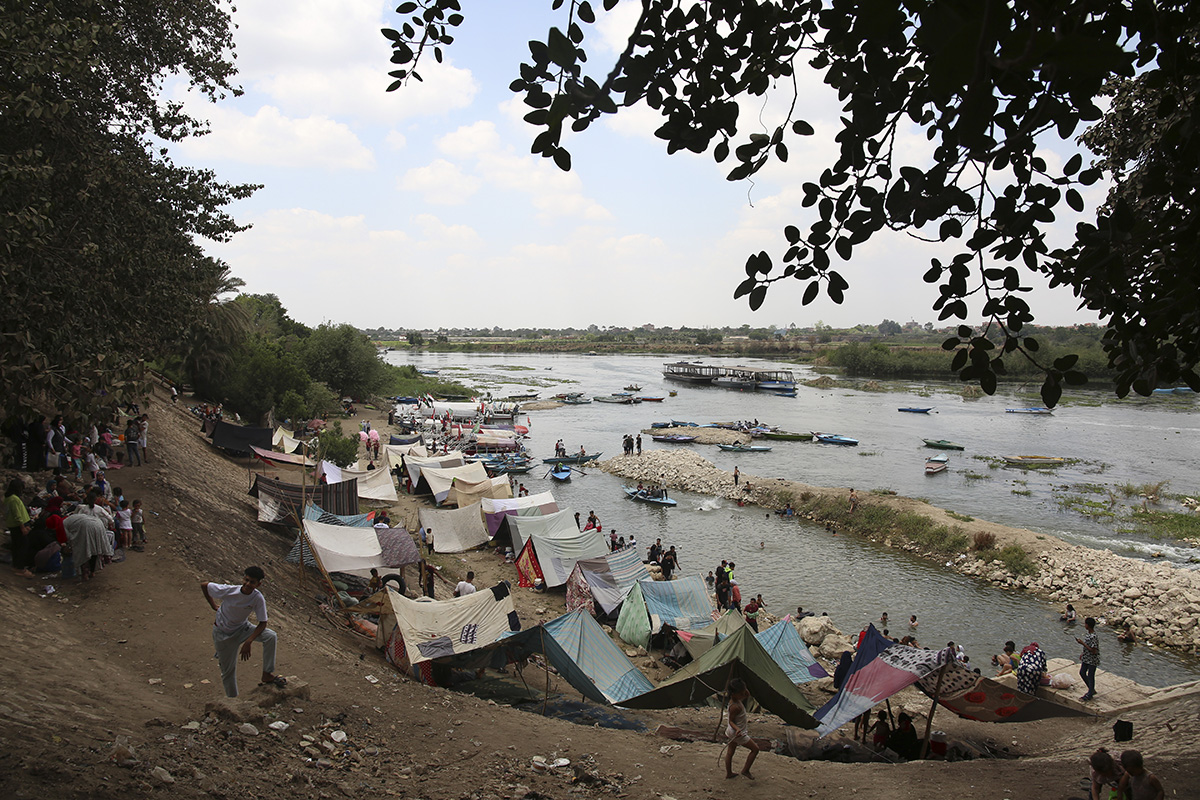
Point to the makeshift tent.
(583, 655)
(557, 545)
(404, 440)
(437, 481)
(465, 493)
(699, 641)
(341, 548)
(373, 484)
(879, 670)
(608, 578)
(238, 439)
(976, 697)
(414, 464)
(280, 502)
(393, 454)
(281, 433)
(315, 513)
(559, 523)
(783, 642)
(283, 460)
(455, 529)
(430, 629)
(739, 655)
(496, 512)
(681, 603)
(290, 445)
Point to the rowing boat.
(1030, 410)
(787, 436)
(645, 497)
(576, 459)
(1034, 461)
(677, 438)
(942, 444)
(915, 410)
(563, 474)
(934, 467)
(744, 448)
(833, 438)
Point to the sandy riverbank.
(1160, 600)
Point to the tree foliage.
(988, 82)
(343, 358)
(99, 263)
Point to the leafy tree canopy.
(344, 359)
(986, 81)
(99, 262)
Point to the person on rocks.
(639, 444)
(669, 561)
(737, 476)
(1089, 659)
(656, 551)
(232, 632)
(1007, 659)
(751, 613)
(737, 731)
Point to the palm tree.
(223, 325)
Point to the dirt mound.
(111, 689)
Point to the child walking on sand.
(139, 525)
(125, 526)
(736, 731)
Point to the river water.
(1110, 442)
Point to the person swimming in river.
(1069, 614)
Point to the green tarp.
(740, 655)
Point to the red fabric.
(528, 567)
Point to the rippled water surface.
(790, 563)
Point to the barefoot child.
(880, 731)
(125, 526)
(736, 730)
(139, 525)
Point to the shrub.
(1017, 561)
(984, 540)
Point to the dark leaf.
(810, 292)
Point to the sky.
(423, 208)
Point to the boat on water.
(677, 424)
(783, 392)
(1034, 461)
(648, 497)
(575, 459)
(933, 467)
(1030, 410)
(690, 372)
(735, 382)
(942, 444)
(674, 438)
(428, 371)
(661, 425)
(646, 399)
(515, 397)
(672, 393)
(833, 438)
(744, 448)
(787, 436)
(1175, 390)
(619, 399)
(577, 400)
(940, 457)
(915, 410)
(633, 387)
(563, 474)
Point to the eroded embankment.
(1160, 601)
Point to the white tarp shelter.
(455, 529)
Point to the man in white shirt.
(232, 627)
(465, 588)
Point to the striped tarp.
(783, 642)
(279, 502)
(611, 576)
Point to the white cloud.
(441, 183)
(396, 140)
(270, 138)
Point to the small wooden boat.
(675, 438)
(744, 448)
(620, 399)
(942, 444)
(915, 410)
(787, 436)
(563, 474)
(834, 438)
(782, 392)
(661, 425)
(575, 459)
(933, 467)
(515, 397)
(633, 387)
(672, 393)
(647, 497)
(1030, 410)
(940, 457)
(576, 401)
(1034, 461)
(677, 424)
(646, 399)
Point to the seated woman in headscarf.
(1031, 668)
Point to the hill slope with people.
(111, 689)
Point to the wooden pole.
(937, 690)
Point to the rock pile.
(686, 470)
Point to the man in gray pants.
(232, 629)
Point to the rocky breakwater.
(686, 470)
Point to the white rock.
(248, 729)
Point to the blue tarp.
(783, 642)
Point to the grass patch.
(1022, 492)
(873, 521)
(983, 541)
(868, 453)
(1093, 509)
(1169, 525)
(1014, 558)
(959, 517)
(884, 492)
(511, 367)
(976, 476)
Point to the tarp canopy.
(739, 655)
(436, 628)
(558, 544)
(437, 481)
(238, 439)
(284, 460)
(281, 433)
(316, 514)
(341, 548)
(404, 440)
(681, 603)
(280, 502)
(584, 655)
(783, 642)
(560, 524)
(496, 511)
(455, 529)
(414, 464)
(465, 493)
(699, 641)
(456, 410)
(879, 670)
(373, 484)
(610, 577)
(975, 697)
(290, 445)
(393, 453)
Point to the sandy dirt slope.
(129, 655)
